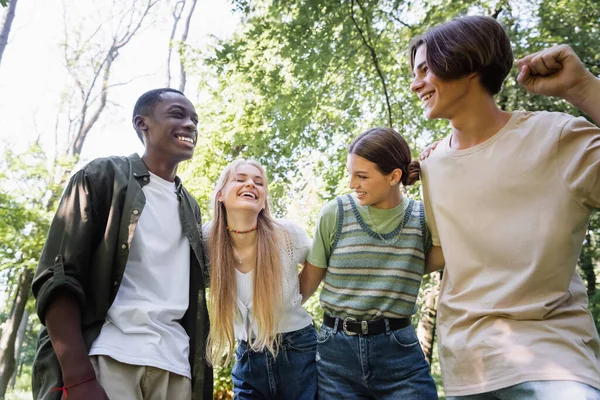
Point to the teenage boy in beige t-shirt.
(508, 197)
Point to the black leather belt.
(350, 326)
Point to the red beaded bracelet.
(64, 388)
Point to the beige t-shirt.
(511, 215)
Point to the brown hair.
(388, 150)
(466, 45)
(266, 285)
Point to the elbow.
(49, 284)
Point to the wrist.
(77, 371)
(584, 92)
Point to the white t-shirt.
(142, 325)
(295, 245)
(511, 214)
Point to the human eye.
(362, 176)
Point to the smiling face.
(442, 98)
(372, 188)
(170, 131)
(244, 190)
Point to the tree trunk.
(9, 334)
(10, 16)
(586, 263)
(182, 51)
(18, 346)
(426, 327)
(177, 11)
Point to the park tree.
(90, 53)
(7, 21)
(301, 78)
(291, 88)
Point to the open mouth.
(427, 96)
(186, 139)
(249, 195)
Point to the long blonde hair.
(266, 285)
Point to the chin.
(431, 114)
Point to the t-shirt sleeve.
(324, 235)
(579, 160)
(433, 231)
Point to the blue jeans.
(388, 365)
(291, 375)
(534, 390)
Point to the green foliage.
(301, 78)
(3, 3)
(27, 188)
(292, 87)
(223, 383)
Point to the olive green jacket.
(86, 251)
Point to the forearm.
(587, 99)
(310, 279)
(434, 260)
(63, 321)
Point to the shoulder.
(100, 166)
(331, 208)
(289, 226)
(548, 120)
(102, 172)
(439, 152)
(99, 173)
(297, 235)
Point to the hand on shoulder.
(427, 152)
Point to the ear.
(220, 197)
(473, 75)
(140, 124)
(395, 176)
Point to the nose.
(353, 184)
(416, 85)
(190, 125)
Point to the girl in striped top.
(370, 248)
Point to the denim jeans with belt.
(389, 365)
(291, 375)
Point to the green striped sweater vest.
(368, 278)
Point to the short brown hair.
(466, 45)
(388, 150)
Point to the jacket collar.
(141, 173)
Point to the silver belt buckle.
(345, 327)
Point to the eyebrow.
(358, 172)
(420, 66)
(245, 175)
(181, 108)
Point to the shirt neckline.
(488, 142)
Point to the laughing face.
(171, 130)
(244, 189)
(371, 187)
(442, 98)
